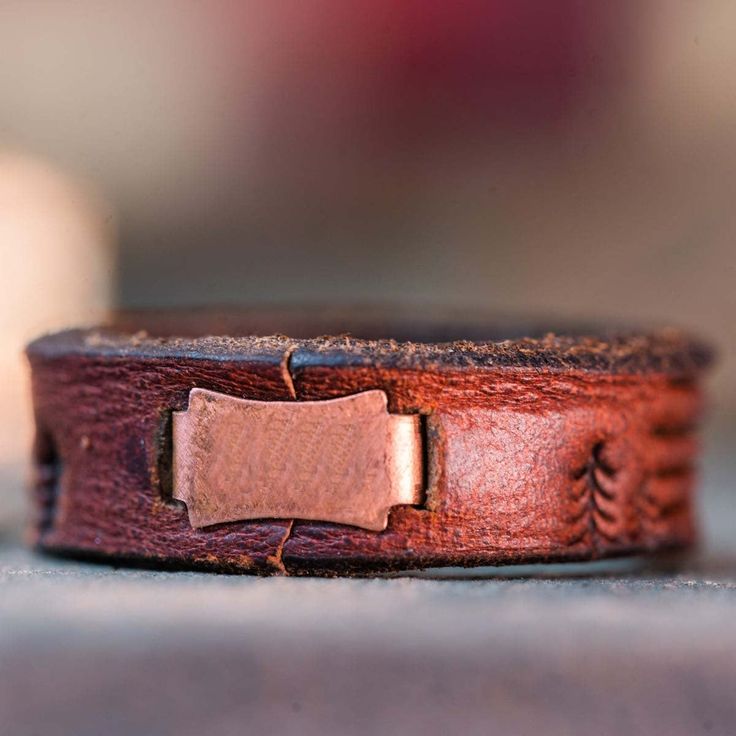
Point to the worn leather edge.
(666, 350)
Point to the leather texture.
(552, 448)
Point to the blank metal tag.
(343, 460)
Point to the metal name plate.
(343, 460)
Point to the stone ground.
(627, 647)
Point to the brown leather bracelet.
(351, 455)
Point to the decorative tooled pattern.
(665, 489)
(595, 491)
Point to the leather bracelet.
(353, 454)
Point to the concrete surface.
(628, 647)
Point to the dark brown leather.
(538, 449)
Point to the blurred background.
(571, 158)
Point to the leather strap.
(550, 448)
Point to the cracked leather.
(554, 448)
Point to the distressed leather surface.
(553, 449)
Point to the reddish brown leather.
(550, 449)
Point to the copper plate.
(343, 460)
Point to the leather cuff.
(396, 447)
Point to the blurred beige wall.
(568, 157)
(57, 266)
